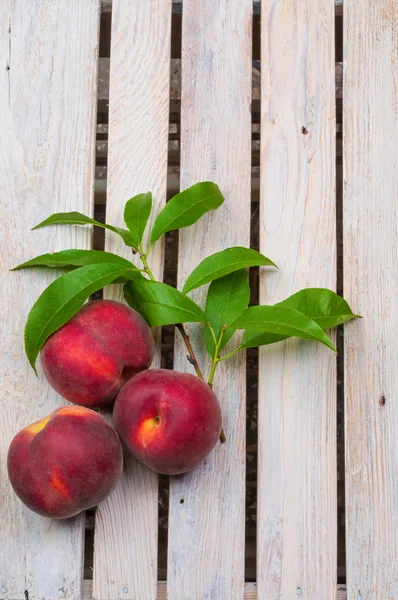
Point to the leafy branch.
(304, 315)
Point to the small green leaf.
(62, 299)
(75, 258)
(136, 215)
(279, 321)
(76, 218)
(323, 306)
(186, 208)
(222, 263)
(161, 304)
(227, 298)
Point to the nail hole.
(304, 130)
(8, 67)
(382, 400)
(182, 501)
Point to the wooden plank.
(49, 51)
(296, 511)
(370, 285)
(178, 6)
(206, 533)
(250, 591)
(125, 557)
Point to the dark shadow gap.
(341, 555)
(98, 243)
(252, 353)
(170, 270)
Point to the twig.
(192, 356)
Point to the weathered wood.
(125, 557)
(370, 284)
(206, 532)
(178, 6)
(49, 53)
(250, 591)
(296, 511)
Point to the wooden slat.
(206, 532)
(296, 512)
(49, 54)
(370, 284)
(250, 591)
(178, 5)
(125, 557)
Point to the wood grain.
(125, 545)
(296, 511)
(371, 284)
(49, 53)
(106, 6)
(250, 591)
(206, 533)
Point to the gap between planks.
(106, 6)
(250, 591)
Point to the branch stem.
(230, 354)
(187, 342)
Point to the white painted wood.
(296, 510)
(125, 557)
(107, 5)
(250, 591)
(206, 533)
(371, 284)
(48, 106)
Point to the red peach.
(96, 352)
(65, 463)
(168, 420)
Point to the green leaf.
(227, 298)
(253, 339)
(222, 263)
(136, 215)
(62, 299)
(75, 258)
(279, 321)
(76, 218)
(186, 208)
(161, 304)
(323, 306)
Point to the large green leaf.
(323, 306)
(62, 299)
(75, 258)
(136, 215)
(222, 263)
(161, 304)
(186, 208)
(227, 298)
(279, 321)
(76, 218)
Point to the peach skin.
(88, 359)
(168, 420)
(65, 463)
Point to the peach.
(96, 352)
(65, 463)
(168, 420)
